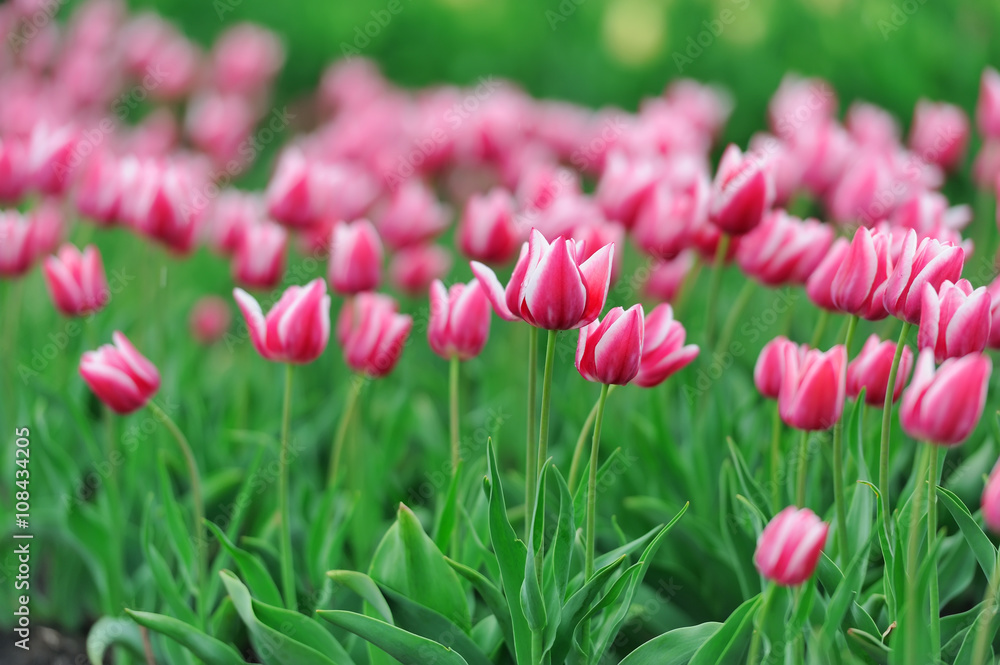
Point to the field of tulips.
(474, 377)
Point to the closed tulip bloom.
(813, 387)
(857, 195)
(663, 350)
(460, 320)
(98, 189)
(664, 223)
(17, 245)
(955, 320)
(784, 249)
(13, 171)
(769, 371)
(609, 351)
(356, 257)
(625, 185)
(991, 500)
(790, 546)
(245, 59)
(233, 213)
(870, 370)
(988, 105)
(372, 333)
(209, 319)
(819, 286)
(994, 290)
(52, 158)
(76, 280)
(413, 216)
(858, 286)
(412, 269)
(742, 192)
(160, 203)
(119, 375)
(940, 133)
(487, 231)
(259, 261)
(290, 197)
(667, 277)
(943, 406)
(297, 328)
(550, 287)
(931, 262)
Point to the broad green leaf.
(493, 598)
(577, 607)
(165, 580)
(225, 622)
(580, 497)
(203, 646)
(751, 488)
(978, 541)
(447, 518)
(253, 571)
(181, 537)
(531, 591)
(365, 587)
(673, 648)
(871, 644)
(846, 591)
(108, 632)
(729, 642)
(407, 648)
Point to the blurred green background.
(600, 52)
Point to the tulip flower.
(943, 406)
(666, 277)
(412, 269)
(939, 133)
(76, 280)
(487, 231)
(872, 126)
(988, 105)
(955, 320)
(742, 192)
(931, 262)
(858, 195)
(784, 249)
(372, 333)
(870, 370)
(413, 216)
(819, 286)
(291, 195)
(625, 185)
(790, 546)
(664, 223)
(609, 351)
(994, 290)
(13, 171)
(355, 258)
(460, 320)
(99, 188)
(769, 371)
(209, 319)
(160, 204)
(991, 500)
(542, 182)
(245, 59)
(17, 244)
(296, 329)
(663, 350)
(259, 261)
(119, 375)
(550, 288)
(858, 286)
(812, 388)
(232, 214)
(51, 159)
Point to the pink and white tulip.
(460, 320)
(858, 286)
(954, 320)
(259, 260)
(931, 262)
(488, 231)
(609, 351)
(297, 328)
(209, 319)
(870, 370)
(769, 372)
(413, 269)
(789, 548)
(76, 280)
(943, 406)
(356, 257)
(813, 388)
(663, 350)
(372, 333)
(743, 192)
(119, 375)
(784, 249)
(940, 133)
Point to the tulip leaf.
(166, 582)
(979, 542)
(577, 607)
(203, 646)
(531, 591)
(365, 587)
(493, 598)
(729, 642)
(673, 648)
(254, 572)
(181, 537)
(112, 631)
(407, 648)
(580, 497)
(444, 525)
(327, 533)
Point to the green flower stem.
(196, 500)
(821, 321)
(581, 442)
(287, 565)
(983, 634)
(800, 490)
(595, 452)
(350, 406)
(935, 604)
(838, 463)
(913, 560)
(760, 618)
(735, 312)
(531, 447)
(543, 443)
(116, 514)
(883, 463)
(776, 458)
(713, 290)
(453, 389)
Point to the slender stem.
(581, 442)
(800, 490)
(912, 561)
(713, 289)
(543, 444)
(196, 500)
(984, 634)
(776, 459)
(798, 643)
(595, 452)
(115, 509)
(729, 327)
(761, 617)
(350, 406)
(931, 534)
(821, 321)
(883, 464)
(453, 385)
(287, 564)
(537, 646)
(838, 464)
(531, 446)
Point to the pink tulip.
(954, 320)
(51, 158)
(609, 351)
(413, 216)
(994, 290)
(991, 500)
(664, 222)
(784, 249)
(790, 546)
(542, 182)
(871, 126)
(550, 287)
(460, 320)
(988, 106)
(858, 286)
(940, 133)
(259, 259)
(304, 191)
(245, 59)
(119, 375)
(742, 192)
(591, 235)
(870, 370)
(819, 286)
(625, 185)
(864, 192)
(356, 257)
(986, 166)
(800, 103)
(931, 262)
(769, 372)
(412, 269)
(943, 406)
(707, 106)
(663, 350)
(48, 221)
(813, 387)
(17, 244)
(487, 231)
(232, 214)
(296, 329)
(13, 171)
(822, 151)
(99, 188)
(667, 277)
(209, 319)
(372, 333)
(160, 203)
(76, 280)
(220, 125)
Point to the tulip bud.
(819, 286)
(413, 216)
(296, 329)
(209, 319)
(412, 269)
(259, 261)
(742, 192)
(625, 185)
(119, 375)
(487, 231)
(931, 262)
(955, 320)
(870, 370)
(784, 249)
(858, 286)
(232, 214)
(372, 333)
(769, 371)
(355, 258)
(460, 320)
(943, 406)
(812, 389)
(939, 134)
(17, 244)
(609, 351)
(663, 350)
(991, 500)
(790, 546)
(76, 280)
